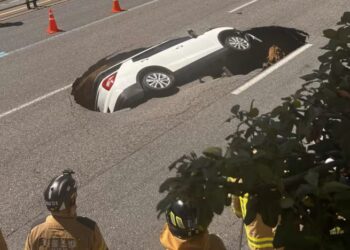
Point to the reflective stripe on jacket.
(204, 241)
(259, 235)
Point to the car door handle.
(144, 59)
(178, 47)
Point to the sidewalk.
(8, 4)
(11, 8)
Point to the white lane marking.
(81, 27)
(242, 6)
(34, 101)
(68, 86)
(270, 69)
(3, 54)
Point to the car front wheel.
(158, 80)
(237, 43)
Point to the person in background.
(34, 4)
(3, 245)
(183, 232)
(63, 229)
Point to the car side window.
(160, 48)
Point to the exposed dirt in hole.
(84, 89)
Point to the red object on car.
(108, 82)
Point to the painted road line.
(81, 27)
(242, 6)
(2, 115)
(270, 69)
(34, 101)
(3, 54)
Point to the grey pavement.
(121, 158)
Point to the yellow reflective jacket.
(3, 245)
(259, 235)
(65, 232)
(204, 241)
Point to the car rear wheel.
(237, 43)
(158, 80)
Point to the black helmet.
(182, 219)
(61, 192)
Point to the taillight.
(108, 82)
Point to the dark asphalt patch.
(223, 63)
(10, 24)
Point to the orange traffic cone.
(116, 7)
(52, 24)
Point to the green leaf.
(253, 112)
(330, 33)
(235, 109)
(345, 19)
(334, 187)
(276, 111)
(296, 103)
(309, 77)
(265, 173)
(252, 206)
(217, 199)
(286, 202)
(214, 152)
(342, 196)
(258, 139)
(249, 132)
(308, 202)
(312, 178)
(168, 184)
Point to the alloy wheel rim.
(158, 80)
(238, 43)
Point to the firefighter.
(34, 4)
(183, 232)
(63, 229)
(259, 235)
(3, 245)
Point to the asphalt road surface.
(120, 159)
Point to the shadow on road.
(227, 62)
(4, 25)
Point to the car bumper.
(116, 99)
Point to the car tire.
(237, 43)
(158, 80)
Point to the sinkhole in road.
(276, 42)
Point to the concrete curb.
(15, 5)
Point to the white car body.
(173, 58)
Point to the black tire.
(237, 43)
(158, 80)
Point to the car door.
(197, 48)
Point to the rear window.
(103, 74)
(160, 48)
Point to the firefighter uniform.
(63, 232)
(3, 245)
(259, 235)
(203, 241)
